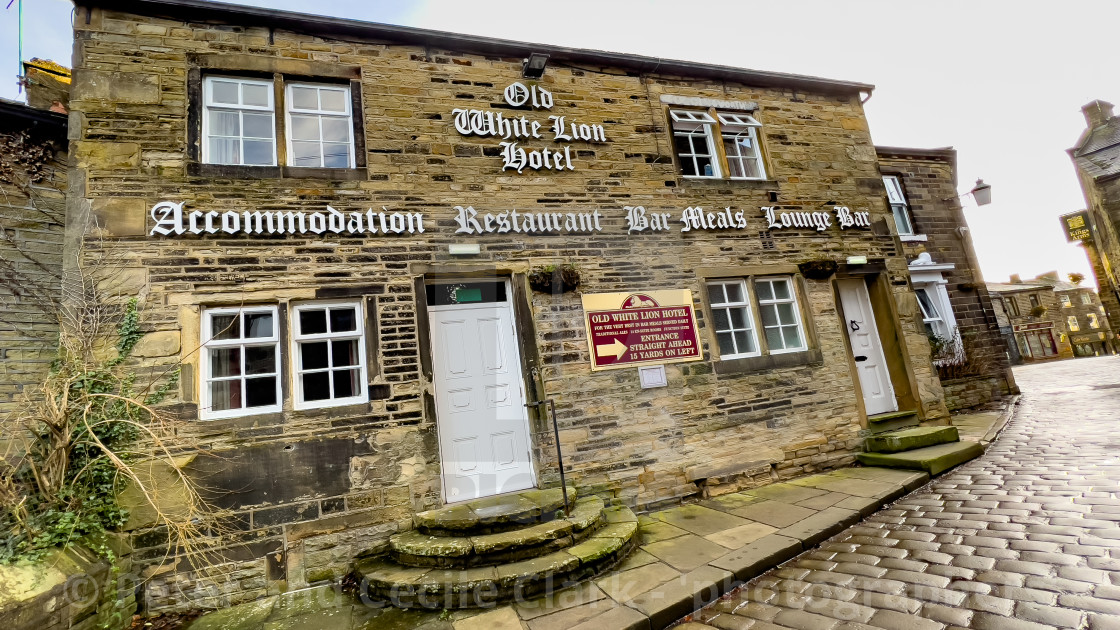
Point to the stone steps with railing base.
(607, 536)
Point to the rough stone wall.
(930, 187)
(1103, 202)
(33, 182)
(1080, 310)
(966, 393)
(314, 488)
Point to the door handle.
(861, 358)
(854, 325)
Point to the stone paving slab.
(693, 554)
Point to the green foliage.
(63, 490)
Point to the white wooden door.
(867, 349)
(481, 418)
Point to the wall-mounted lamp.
(533, 67)
(981, 193)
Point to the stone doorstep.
(415, 548)
(910, 439)
(425, 587)
(494, 514)
(932, 459)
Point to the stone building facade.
(1096, 156)
(1034, 314)
(349, 234)
(970, 353)
(1084, 315)
(33, 183)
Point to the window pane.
(225, 362)
(764, 291)
(260, 392)
(316, 386)
(734, 292)
(750, 168)
(305, 127)
(343, 320)
(224, 151)
(336, 129)
(792, 336)
(258, 125)
(715, 294)
(781, 289)
(726, 344)
(774, 339)
(225, 327)
(225, 123)
(336, 155)
(769, 315)
(258, 325)
(305, 98)
(260, 360)
(682, 144)
(738, 317)
(736, 167)
(256, 95)
(785, 313)
(314, 355)
(333, 100)
(223, 92)
(225, 395)
(305, 154)
(258, 152)
(688, 167)
(312, 322)
(704, 165)
(344, 352)
(719, 317)
(745, 342)
(902, 220)
(345, 383)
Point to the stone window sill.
(275, 172)
(913, 237)
(812, 356)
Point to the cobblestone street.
(1025, 537)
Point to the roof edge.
(203, 10)
(26, 112)
(941, 152)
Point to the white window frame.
(297, 338)
(796, 309)
(1086, 299)
(290, 108)
(705, 121)
(1066, 301)
(733, 126)
(899, 205)
(208, 105)
(209, 343)
(1071, 323)
(745, 304)
(1093, 321)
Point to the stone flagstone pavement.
(688, 555)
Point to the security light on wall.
(533, 67)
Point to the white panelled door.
(871, 365)
(480, 406)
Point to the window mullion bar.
(717, 140)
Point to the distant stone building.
(1096, 156)
(1034, 314)
(957, 311)
(1086, 324)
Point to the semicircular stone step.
(495, 514)
(415, 548)
(425, 587)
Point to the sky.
(1002, 81)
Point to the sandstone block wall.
(314, 488)
(929, 182)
